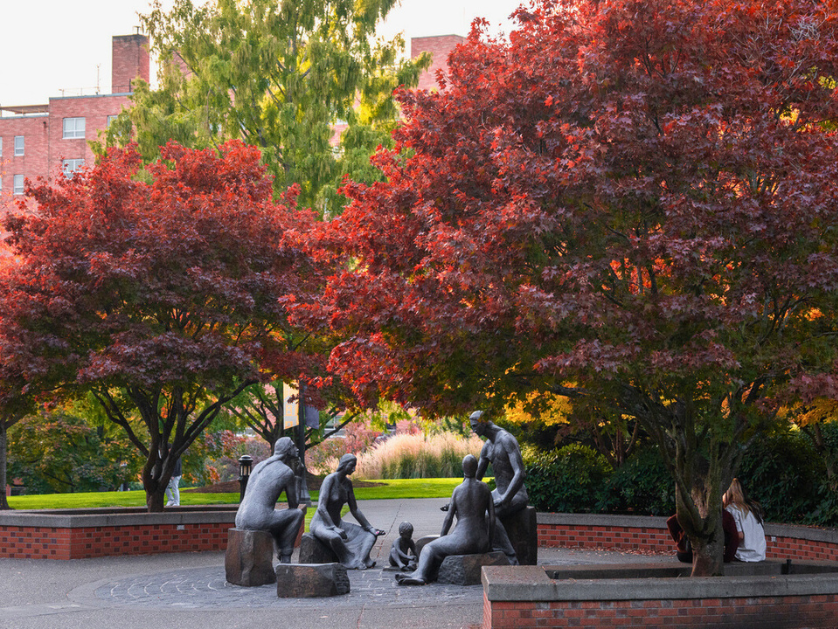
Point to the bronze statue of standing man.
(502, 451)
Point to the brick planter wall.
(521, 597)
(73, 534)
(756, 613)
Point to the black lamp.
(245, 463)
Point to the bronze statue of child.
(403, 551)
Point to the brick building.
(41, 140)
(439, 46)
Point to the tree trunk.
(155, 481)
(708, 554)
(155, 499)
(4, 503)
(699, 513)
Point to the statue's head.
(479, 423)
(347, 463)
(469, 466)
(285, 448)
(405, 529)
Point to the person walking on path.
(173, 488)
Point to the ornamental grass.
(417, 456)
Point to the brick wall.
(35, 158)
(82, 543)
(439, 48)
(747, 612)
(780, 543)
(130, 60)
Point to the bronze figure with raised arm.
(502, 451)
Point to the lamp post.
(245, 463)
(304, 496)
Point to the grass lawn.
(402, 488)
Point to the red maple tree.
(161, 291)
(631, 202)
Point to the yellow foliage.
(549, 408)
(821, 410)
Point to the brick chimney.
(439, 46)
(130, 60)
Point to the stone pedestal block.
(312, 550)
(465, 569)
(249, 558)
(311, 580)
(424, 541)
(522, 529)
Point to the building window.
(73, 128)
(110, 120)
(18, 145)
(70, 166)
(1, 147)
(18, 184)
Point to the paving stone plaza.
(189, 590)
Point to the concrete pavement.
(189, 591)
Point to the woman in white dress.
(748, 516)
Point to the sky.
(51, 48)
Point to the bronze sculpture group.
(477, 509)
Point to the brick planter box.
(769, 595)
(81, 534)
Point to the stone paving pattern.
(142, 592)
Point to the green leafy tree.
(60, 452)
(281, 76)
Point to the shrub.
(642, 486)
(568, 480)
(784, 474)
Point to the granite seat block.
(249, 558)
(312, 550)
(522, 529)
(311, 580)
(466, 569)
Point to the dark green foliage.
(784, 474)
(567, 480)
(61, 453)
(782, 471)
(642, 486)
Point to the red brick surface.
(657, 540)
(45, 146)
(82, 543)
(130, 60)
(439, 48)
(760, 612)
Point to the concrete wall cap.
(76, 520)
